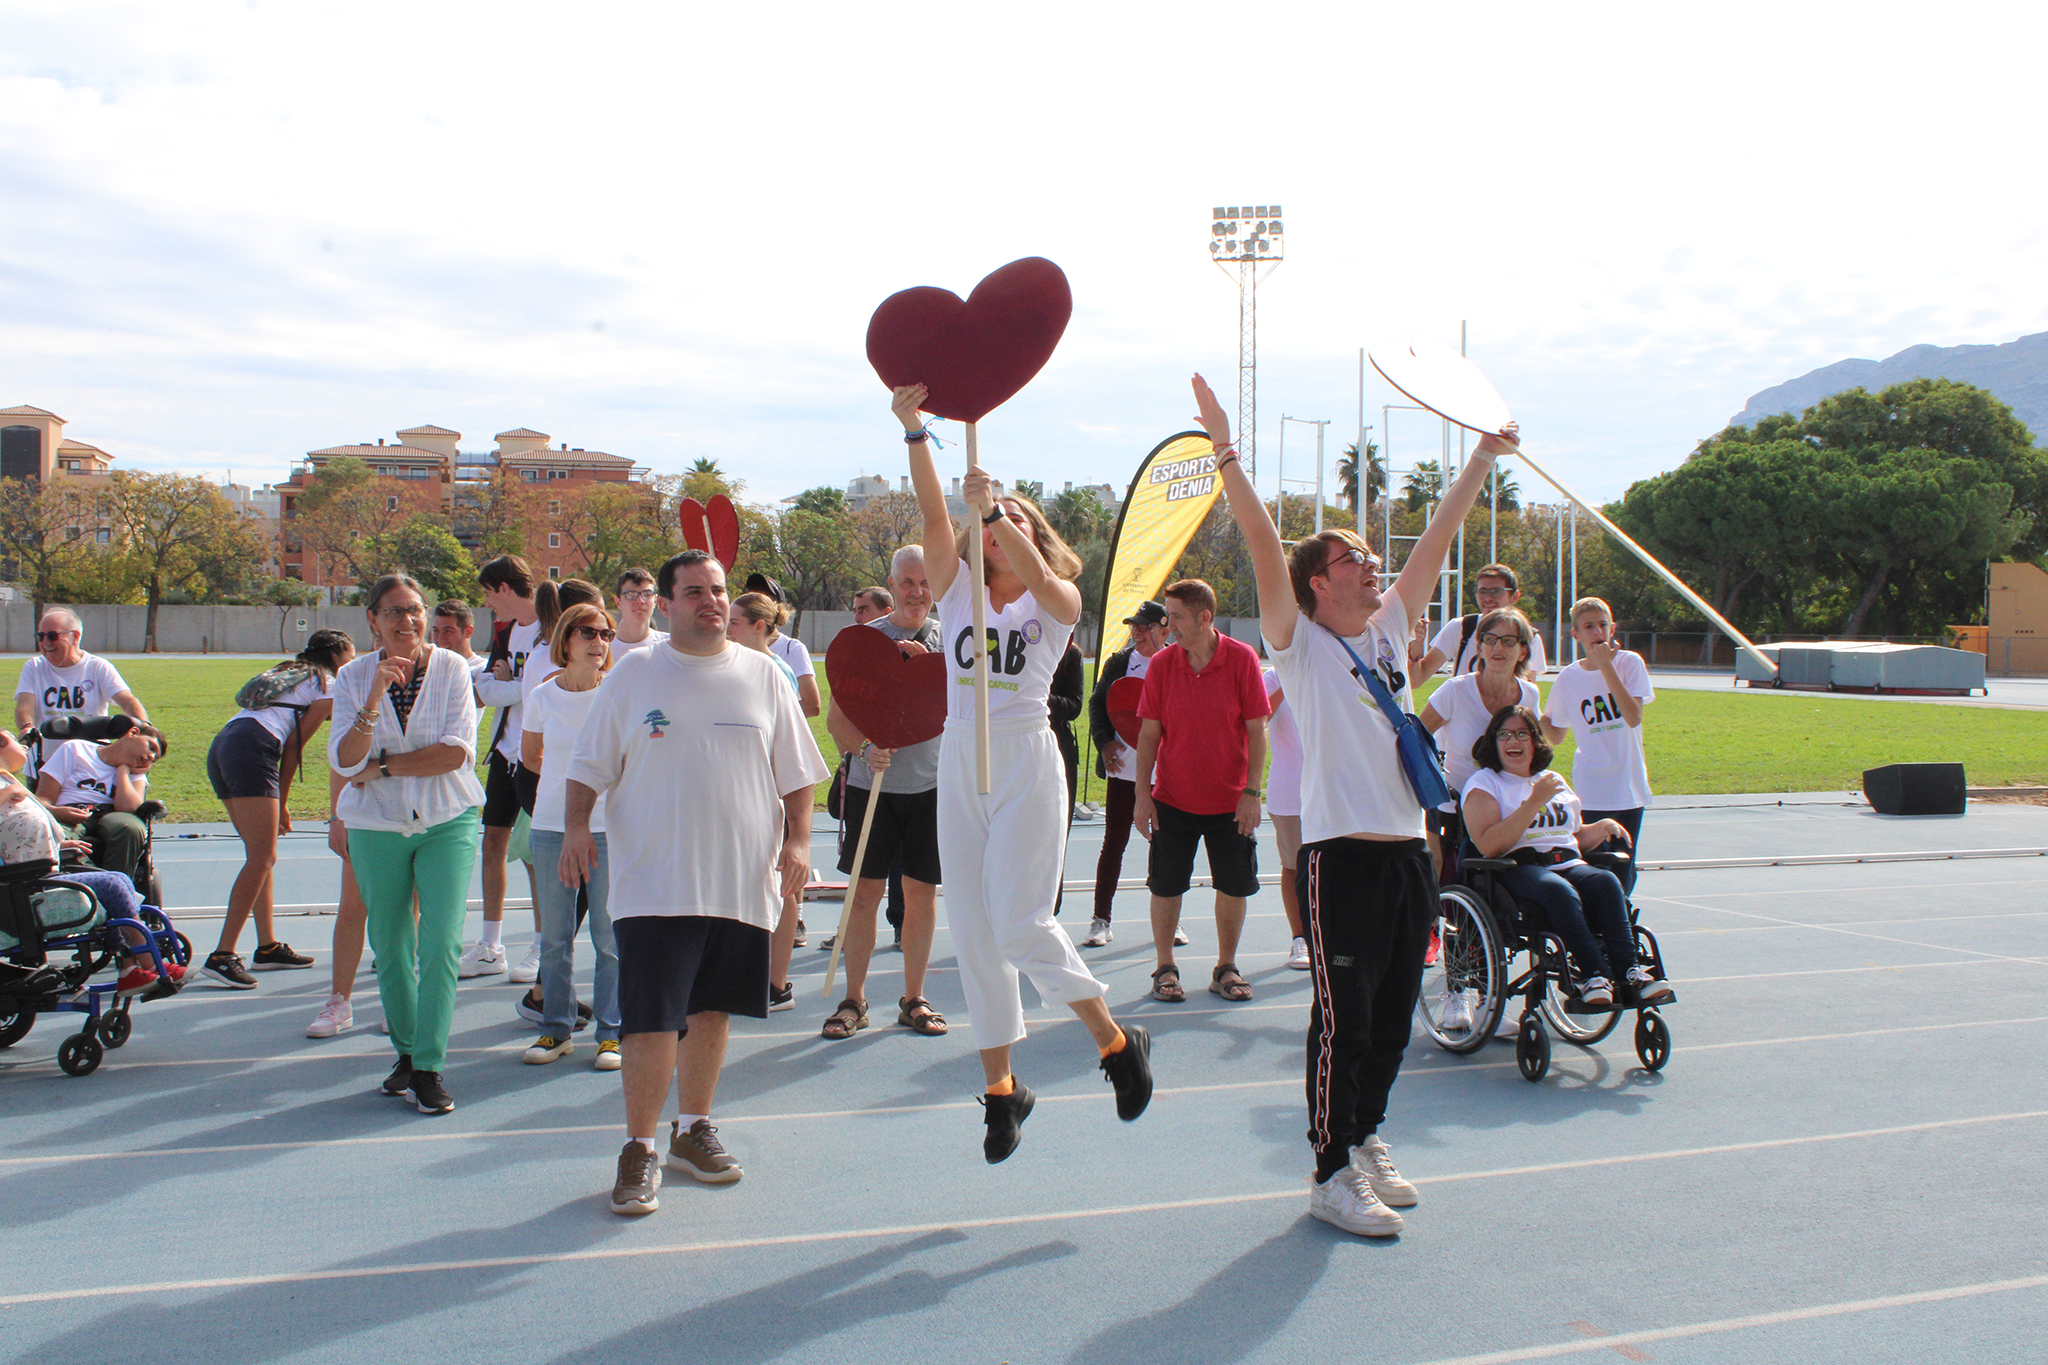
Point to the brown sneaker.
(639, 1178)
(700, 1153)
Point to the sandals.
(1229, 983)
(1166, 985)
(850, 1018)
(914, 1012)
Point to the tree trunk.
(149, 626)
(1854, 625)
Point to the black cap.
(1147, 614)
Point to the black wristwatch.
(993, 517)
(382, 766)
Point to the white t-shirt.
(520, 644)
(1465, 720)
(1607, 765)
(279, 718)
(1555, 826)
(28, 833)
(1467, 660)
(87, 688)
(791, 651)
(1351, 776)
(620, 649)
(1025, 648)
(697, 753)
(82, 780)
(1125, 768)
(1283, 779)
(557, 717)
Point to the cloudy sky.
(234, 232)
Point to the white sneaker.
(1099, 933)
(1595, 991)
(1297, 956)
(528, 970)
(1454, 1015)
(548, 1049)
(1375, 1166)
(1180, 938)
(478, 959)
(1650, 990)
(334, 1017)
(1347, 1201)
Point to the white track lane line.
(1781, 921)
(1754, 1320)
(105, 1291)
(1443, 1068)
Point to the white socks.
(685, 1122)
(648, 1143)
(494, 933)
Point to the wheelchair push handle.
(94, 728)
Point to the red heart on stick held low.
(892, 700)
(1123, 708)
(972, 354)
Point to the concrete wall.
(192, 630)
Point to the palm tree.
(704, 480)
(1347, 475)
(1425, 485)
(1506, 495)
(1078, 515)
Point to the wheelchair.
(42, 912)
(98, 730)
(1482, 930)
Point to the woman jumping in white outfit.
(1001, 852)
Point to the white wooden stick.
(860, 851)
(975, 567)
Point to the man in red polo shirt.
(1201, 758)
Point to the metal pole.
(1360, 502)
(1557, 630)
(1319, 475)
(1575, 574)
(1280, 480)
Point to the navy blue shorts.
(244, 761)
(674, 966)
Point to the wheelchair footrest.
(1574, 1005)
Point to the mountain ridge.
(2016, 371)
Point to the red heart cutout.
(892, 700)
(696, 532)
(712, 528)
(1123, 708)
(972, 355)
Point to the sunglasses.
(51, 636)
(595, 633)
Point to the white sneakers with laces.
(480, 959)
(1650, 990)
(1454, 1015)
(336, 1016)
(1596, 991)
(1346, 1201)
(1297, 955)
(1099, 933)
(528, 970)
(1375, 1166)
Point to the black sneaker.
(227, 969)
(400, 1079)
(781, 998)
(529, 1008)
(1005, 1115)
(1129, 1069)
(278, 957)
(429, 1094)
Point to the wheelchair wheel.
(1581, 1029)
(1468, 977)
(1532, 1049)
(15, 1027)
(115, 1026)
(80, 1054)
(1653, 1040)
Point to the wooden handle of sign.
(710, 545)
(974, 564)
(860, 852)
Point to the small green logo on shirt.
(655, 720)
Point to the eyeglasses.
(1502, 640)
(1491, 592)
(1355, 556)
(644, 595)
(595, 633)
(403, 613)
(50, 636)
(1514, 736)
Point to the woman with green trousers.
(405, 741)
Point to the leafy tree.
(1424, 485)
(493, 513)
(41, 531)
(426, 549)
(168, 524)
(886, 523)
(1506, 495)
(824, 500)
(1078, 515)
(347, 516)
(821, 560)
(609, 525)
(1032, 489)
(704, 480)
(1347, 475)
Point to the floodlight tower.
(1248, 237)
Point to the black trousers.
(1630, 820)
(1116, 836)
(1366, 908)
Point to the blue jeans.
(1569, 897)
(558, 940)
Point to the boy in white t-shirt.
(1599, 701)
(1368, 890)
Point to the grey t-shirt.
(915, 769)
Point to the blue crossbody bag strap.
(1419, 761)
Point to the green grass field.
(1699, 743)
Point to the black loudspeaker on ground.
(1915, 789)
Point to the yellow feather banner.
(1173, 491)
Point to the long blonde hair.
(1059, 557)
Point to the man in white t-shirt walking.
(710, 771)
(1493, 588)
(1367, 887)
(61, 679)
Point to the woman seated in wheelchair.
(1515, 808)
(31, 833)
(93, 790)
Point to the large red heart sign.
(972, 355)
(892, 700)
(713, 528)
(1123, 708)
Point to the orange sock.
(1118, 1045)
(1006, 1086)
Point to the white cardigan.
(443, 713)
